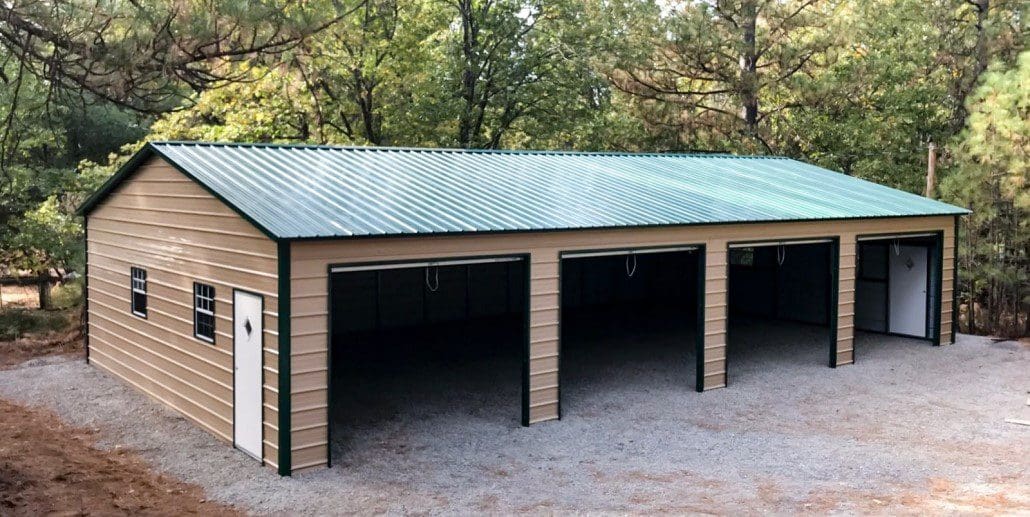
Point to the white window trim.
(136, 281)
(197, 297)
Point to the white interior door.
(907, 288)
(247, 345)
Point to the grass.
(67, 295)
(66, 299)
(17, 322)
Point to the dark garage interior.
(414, 345)
(896, 285)
(779, 306)
(628, 323)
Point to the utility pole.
(931, 170)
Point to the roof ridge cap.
(451, 150)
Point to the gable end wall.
(160, 220)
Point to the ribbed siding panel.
(543, 335)
(165, 223)
(847, 262)
(947, 285)
(311, 261)
(307, 191)
(716, 314)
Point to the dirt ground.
(15, 352)
(910, 429)
(19, 296)
(48, 467)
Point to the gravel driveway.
(909, 428)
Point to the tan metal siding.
(544, 300)
(311, 259)
(847, 262)
(161, 221)
(716, 310)
(948, 284)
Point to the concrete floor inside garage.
(618, 361)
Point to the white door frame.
(243, 435)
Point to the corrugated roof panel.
(316, 191)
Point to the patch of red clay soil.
(55, 343)
(942, 496)
(47, 467)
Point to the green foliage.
(47, 236)
(45, 134)
(67, 295)
(267, 106)
(993, 179)
(722, 73)
(994, 149)
(872, 111)
(857, 86)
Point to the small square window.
(873, 262)
(742, 257)
(204, 312)
(139, 291)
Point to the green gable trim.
(130, 167)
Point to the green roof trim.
(139, 159)
(318, 192)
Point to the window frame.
(862, 269)
(734, 255)
(198, 310)
(134, 290)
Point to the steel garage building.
(242, 284)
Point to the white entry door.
(247, 345)
(907, 288)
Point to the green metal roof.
(296, 191)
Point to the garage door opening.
(421, 346)
(897, 288)
(782, 299)
(629, 321)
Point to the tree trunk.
(364, 89)
(469, 76)
(749, 69)
(971, 311)
(966, 84)
(44, 293)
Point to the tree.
(148, 56)
(268, 106)
(364, 72)
(720, 70)
(973, 33)
(508, 61)
(872, 109)
(82, 77)
(427, 73)
(44, 134)
(993, 180)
